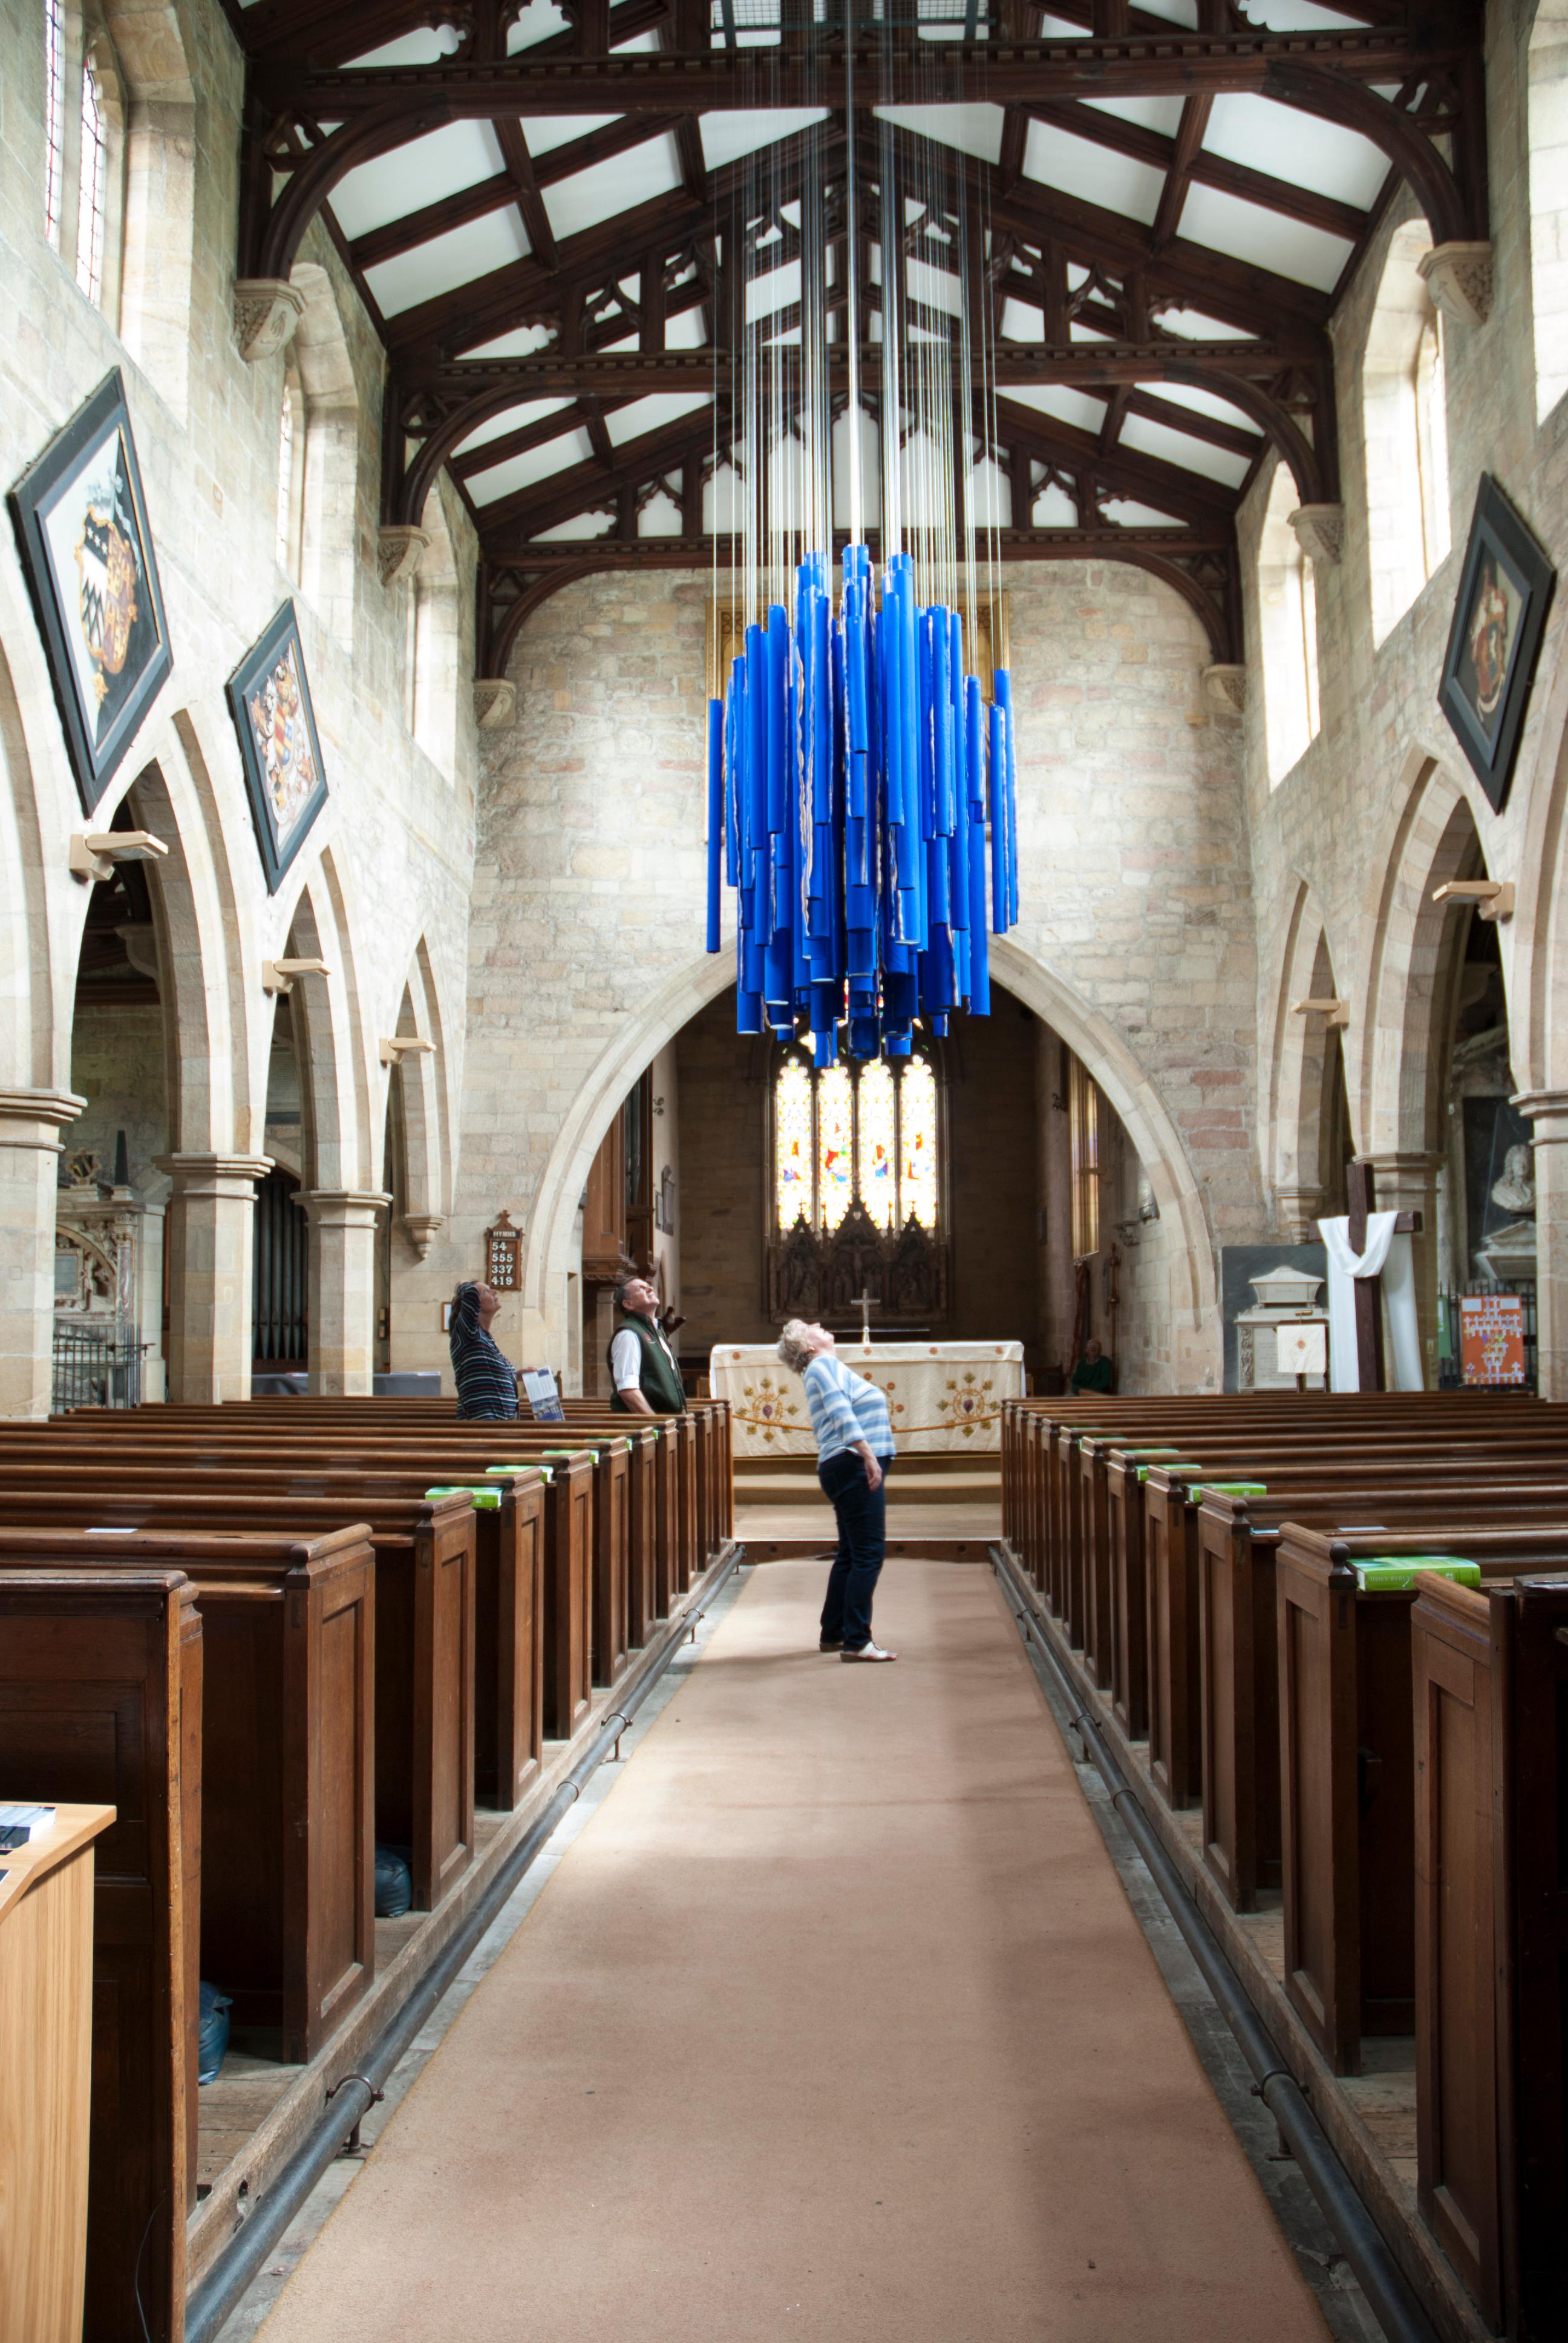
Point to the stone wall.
(388, 863)
(1383, 805)
(1136, 936)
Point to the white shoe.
(867, 1652)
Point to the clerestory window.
(864, 1134)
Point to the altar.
(944, 1398)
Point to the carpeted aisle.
(834, 2024)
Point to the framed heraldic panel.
(1504, 594)
(269, 696)
(81, 524)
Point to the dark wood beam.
(690, 551)
(1170, 62)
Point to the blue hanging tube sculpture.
(851, 778)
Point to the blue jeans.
(862, 1517)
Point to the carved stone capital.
(1225, 685)
(1321, 532)
(420, 1229)
(1459, 277)
(266, 310)
(494, 702)
(1296, 1210)
(399, 552)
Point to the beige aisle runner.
(834, 2024)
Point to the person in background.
(854, 1456)
(1094, 1371)
(487, 1381)
(643, 1368)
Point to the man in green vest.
(643, 1372)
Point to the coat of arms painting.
(269, 695)
(1504, 593)
(81, 524)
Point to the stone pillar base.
(1548, 1112)
(1407, 1182)
(210, 1235)
(30, 1149)
(344, 1226)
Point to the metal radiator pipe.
(1381, 2281)
(218, 2293)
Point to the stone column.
(210, 1230)
(1548, 1112)
(344, 1225)
(30, 1149)
(1408, 1183)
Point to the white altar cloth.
(942, 1397)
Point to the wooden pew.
(100, 1704)
(288, 1854)
(1491, 1713)
(1347, 1771)
(422, 1642)
(233, 1438)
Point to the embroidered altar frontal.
(944, 1398)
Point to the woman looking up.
(487, 1382)
(854, 1455)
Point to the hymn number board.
(501, 1256)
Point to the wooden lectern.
(45, 2054)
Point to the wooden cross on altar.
(863, 1302)
(1362, 1197)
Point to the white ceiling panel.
(1057, 158)
(581, 525)
(1175, 11)
(727, 137)
(972, 129)
(1192, 326)
(460, 156)
(651, 413)
(937, 288)
(1289, 246)
(1058, 398)
(427, 47)
(1126, 512)
(544, 132)
(605, 190)
(456, 259)
(1020, 323)
(776, 290)
(515, 419)
(540, 20)
(660, 516)
(536, 464)
(1300, 147)
(520, 343)
(683, 330)
(1054, 508)
(1297, 16)
(1161, 113)
(1203, 402)
(1177, 447)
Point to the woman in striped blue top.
(854, 1455)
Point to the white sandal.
(867, 1652)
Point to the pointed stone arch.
(421, 1081)
(1305, 1066)
(547, 1256)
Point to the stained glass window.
(793, 1155)
(835, 1146)
(54, 114)
(918, 1144)
(90, 199)
(865, 1135)
(876, 1149)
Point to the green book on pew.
(485, 1500)
(1394, 1574)
(1228, 1489)
(533, 1465)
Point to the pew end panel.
(100, 1704)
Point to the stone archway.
(1306, 1075)
(548, 1256)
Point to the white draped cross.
(1389, 1258)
